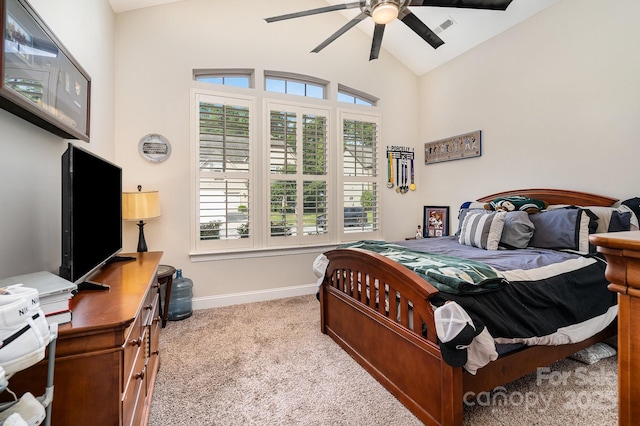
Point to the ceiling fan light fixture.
(384, 12)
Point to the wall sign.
(454, 148)
(154, 147)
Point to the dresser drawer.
(134, 388)
(150, 305)
(133, 345)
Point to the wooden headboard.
(556, 196)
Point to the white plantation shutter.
(281, 174)
(360, 196)
(224, 165)
(299, 178)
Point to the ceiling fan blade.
(422, 30)
(378, 32)
(352, 23)
(313, 11)
(469, 4)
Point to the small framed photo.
(435, 221)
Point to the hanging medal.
(404, 175)
(390, 169)
(398, 188)
(413, 185)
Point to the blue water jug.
(180, 300)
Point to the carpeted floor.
(268, 364)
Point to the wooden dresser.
(622, 251)
(107, 358)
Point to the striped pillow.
(482, 230)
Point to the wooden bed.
(409, 365)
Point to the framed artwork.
(435, 222)
(41, 82)
(454, 148)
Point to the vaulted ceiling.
(466, 28)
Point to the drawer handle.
(139, 375)
(155, 353)
(136, 342)
(148, 307)
(156, 285)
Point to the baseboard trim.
(253, 296)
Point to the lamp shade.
(385, 12)
(140, 205)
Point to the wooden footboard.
(374, 309)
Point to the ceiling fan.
(384, 11)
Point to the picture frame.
(435, 221)
(41, 82)
(466, 145)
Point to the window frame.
(297, 78)
(375, 232)
(371, 100)
(225, 73)
(260, 243)
(197, 244)
(299, 239)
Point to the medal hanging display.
(404, 172)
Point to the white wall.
(556, 99)
(157, 49)
(30, 157)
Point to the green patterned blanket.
(446, 273)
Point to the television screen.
(91, 213)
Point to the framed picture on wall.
(458, 147)
(435, 222)
(41, 82)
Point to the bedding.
(531, 296)
(450, 274)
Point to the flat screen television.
(91, 215)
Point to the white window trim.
(206, 246)
(257, 245)
(269, 104)
(342, 114)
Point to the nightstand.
(165, 277)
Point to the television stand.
(120, 259)
(92, 285)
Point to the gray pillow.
(482, 230)
(563, 229)
(517, 230)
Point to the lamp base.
(142, 244)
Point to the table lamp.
(139, 206)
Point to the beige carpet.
(268, 364)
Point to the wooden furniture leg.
(622, 250)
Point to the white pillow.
(482, 230)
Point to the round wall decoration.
(154, 147)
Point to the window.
(295, 84)
(359, 173)
(352, 96)
(298, 179)
(281, 174)
(224, 152)
(238, 78)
